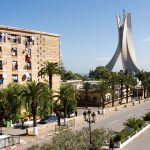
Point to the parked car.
(48, 119)
(71, 114)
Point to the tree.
(13, 102)
(103, 87)
(66, 95)
(49, 69)
(102, 72)
(87, 86)
(121, 80)
(113, 81)
(46, 103)
(34, 91)
(77, 140)
(129, 83)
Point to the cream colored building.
(22, 52)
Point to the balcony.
(14, 65)
(2, 37)
(12, 38)
(14, 51)
(29, 40)
(15, 77)
(1, 65)
(28, 58)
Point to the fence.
(70, 123)
(9, 141)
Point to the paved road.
(112, 119)
(140, 143)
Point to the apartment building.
(22, 52)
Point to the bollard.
(133, 104)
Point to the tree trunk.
(113, 97)
(65, 113)
(34, 111)
(50, 81)
(144, 92)
(103, 104)
(35, 129)
(121, 93)
(127, 93)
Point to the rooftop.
(3, 27)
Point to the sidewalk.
(49, 129)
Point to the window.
(14, 65)
(1, 79)
(14, 51)
(2, 37)
(13, 38)
(94, 98)
(29, 40)
(28, 66)
(28, 51)
(0, 51)
(28, 58)
(15, 77)
(1, 65)
(29, 77)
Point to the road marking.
(113, 121)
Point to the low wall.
(42, 128)
(121, 145)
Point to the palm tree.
(129, 83)
(34, 91)
(87, 87)
(121, 80)
(113, 81)
(65, 96)
(49, 69)
(103, 87)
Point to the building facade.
(22, 52)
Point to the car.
(71, 114)
(48, 119)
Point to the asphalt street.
(112, 120)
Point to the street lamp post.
(89, 117)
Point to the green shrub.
(134, 123)
(79, 140)
(117, 138)
(123, 134)
(140, 123)
(147, 117)
(34, 147)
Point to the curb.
(134, 136)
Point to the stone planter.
(121, 145)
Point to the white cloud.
(146, 40)
(102, 59)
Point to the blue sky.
(87, 27)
